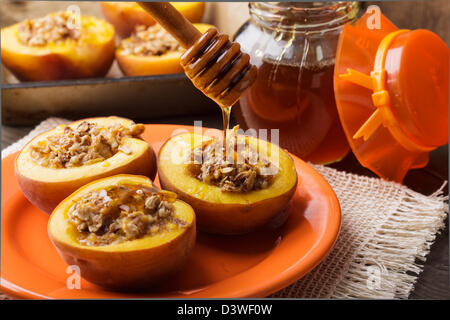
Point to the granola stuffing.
(52, 28)
(122, 213)
(238, 168)
(149, 41)
(86, 144)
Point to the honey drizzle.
(226, 111)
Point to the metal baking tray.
(139, 98)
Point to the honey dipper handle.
(173, 21)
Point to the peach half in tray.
(151, 51)
(126, 16)
(58, 162)
(58, 46)
(123, 232)
(232, 192)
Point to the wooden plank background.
(429, 14)
(424, 14)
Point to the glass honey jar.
(294, 44)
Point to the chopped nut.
(149, 41)
(163, 212)
(152, 202)
(88, 143)
(154, 229)
(243, 170)
(125, 149)
(227, 170)
(125, 217)
(52, 28)
(124, 207)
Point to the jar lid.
(391, 89)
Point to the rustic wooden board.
(422, 14)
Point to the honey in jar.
(294, 47)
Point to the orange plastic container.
(391, 90)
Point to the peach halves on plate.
(58, 162)
(231, 194)
(123, 232)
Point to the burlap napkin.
(386, 234)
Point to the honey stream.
(226, 111)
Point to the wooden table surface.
(433, 282)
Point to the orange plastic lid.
(391, 90)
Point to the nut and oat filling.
(122, 213)
(235, 168)
(52, 28)
(149, 41)
(85, 144)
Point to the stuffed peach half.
(126, 16)
(151, 51)
(123, 232)
(233, 193)
(54, 47)
(59, 161)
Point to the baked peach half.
(151, 51)
(232, 193)
(126, 16)
(58, 162)
(55, 48)
(123, 232)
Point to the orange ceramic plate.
(253, 265)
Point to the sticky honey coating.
(218, 68)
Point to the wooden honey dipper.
(213, 63)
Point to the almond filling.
(86, 144)
(239, 168)
(123, 213)
(52, 28)
(149, 41)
